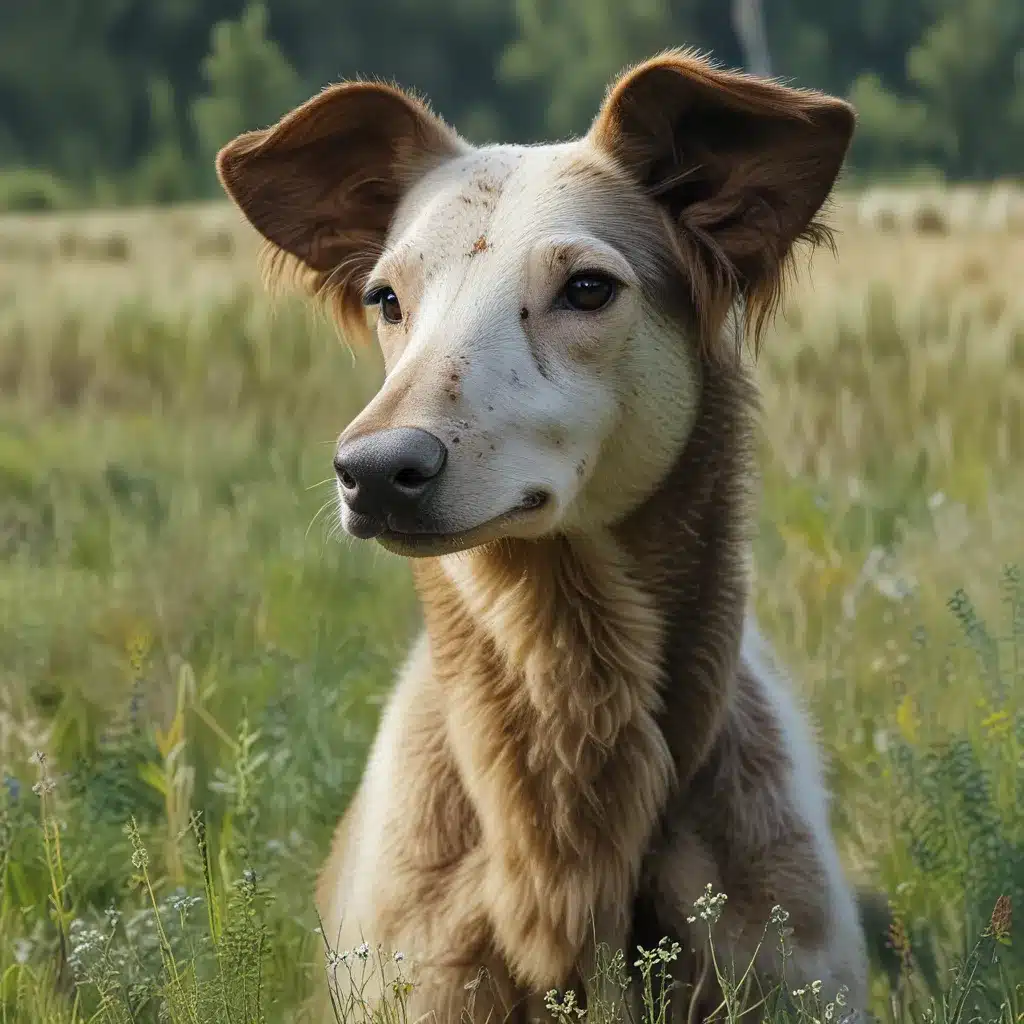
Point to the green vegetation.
(201, 662)
(125, 100)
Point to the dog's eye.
(390, 307)
(589, 291)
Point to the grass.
(201, 663)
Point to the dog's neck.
(581, 632)
(582, 678)
(690, 543)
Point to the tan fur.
(588, 730)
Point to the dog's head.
(545, 313)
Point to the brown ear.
(741, 165)
(322, 185)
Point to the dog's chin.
(521, 522)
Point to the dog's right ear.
(322, 185)
(740, 165)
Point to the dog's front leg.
(549, 925)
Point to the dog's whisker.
(327, 504)
(320, 483)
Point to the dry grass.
(162, 433)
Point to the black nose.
(386, 475)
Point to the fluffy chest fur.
(549, 660)
(583, 679)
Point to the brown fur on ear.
(741, 166)
(322, 185)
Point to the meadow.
(192, 661)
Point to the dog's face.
(517, 329)
(544, 313)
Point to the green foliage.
(127, 100)
(958, 823)
(962, 105)
(599, 36)
(165, 174)
(249, 81)
(969, 68)
(892, 126)
(32, 191)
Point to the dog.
(589, 729)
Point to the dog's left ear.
(741, 165)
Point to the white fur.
(375, 803)
(844, 960)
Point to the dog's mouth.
(430, 544)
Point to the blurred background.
(117, 101)
(192, 662)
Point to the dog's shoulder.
(765, 766)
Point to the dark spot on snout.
(524, 313)
(453, 389)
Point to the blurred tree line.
(127, 100)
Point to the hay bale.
(877, 210)
(928, 217)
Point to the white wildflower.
(668, 953)
(710, 905)
(183, 903)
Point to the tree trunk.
(748, 23)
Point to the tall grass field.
(192, 661)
